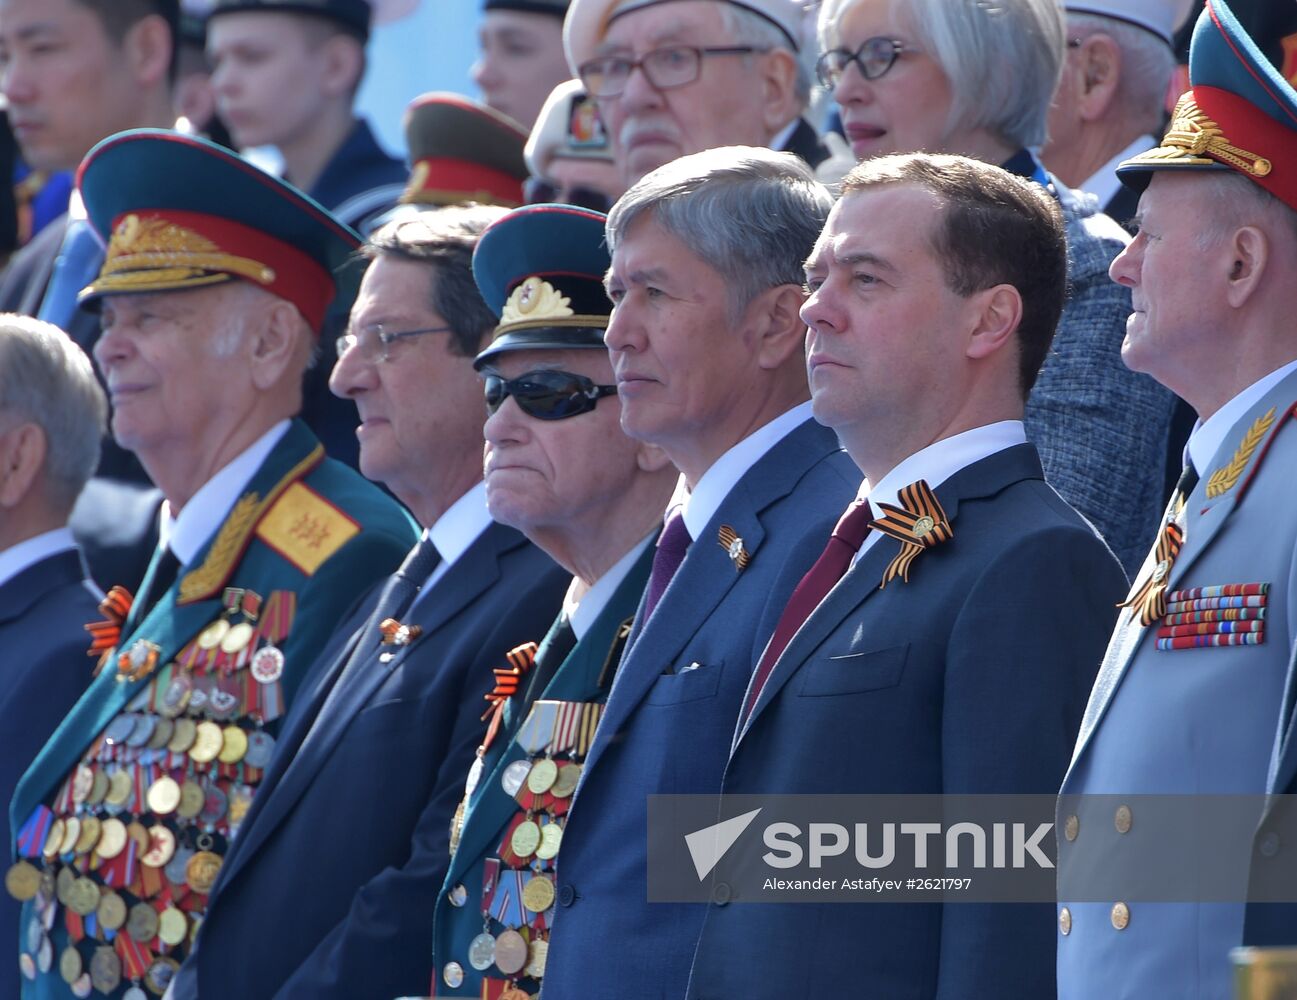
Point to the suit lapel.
(862, 581)
(707, 574)
(21, 592)
(465, 581)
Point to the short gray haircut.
(1003, 58)
(1236, 201)
(47, 380)
(1147, 63)
(746, 27)
(753, 214)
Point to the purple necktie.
(672, 546)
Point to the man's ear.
(344, 61)
(1100, 68)
(1250, 250)
(148, 46)
(275, 344)
(22, 456)
(777, 329)
(997, 311)
(779, 101)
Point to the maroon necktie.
(671, 549)
(848, 535)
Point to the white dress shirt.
(29, 552)
(452, 533)
(1207, 437)
(581, 612)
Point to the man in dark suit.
(707, 350)
(52, 415)
(946, 638)
(559, 468)
(340, 860)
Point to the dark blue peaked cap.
(541, 270)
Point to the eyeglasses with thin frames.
(874, 57)
(667, 67)
(375, 341)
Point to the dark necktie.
(1188, 480)
(553, 650)
(832, 565)
(671, 548)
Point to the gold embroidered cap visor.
(1239, 115)
(541, 269)
(176, 212)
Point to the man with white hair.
(1111, 97)
(52, 414)
(674, 77)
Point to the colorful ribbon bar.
(1196, 641)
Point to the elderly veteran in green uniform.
(1195, 694)
(215, 280)
(560, 469)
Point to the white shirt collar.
(30, 551)
(785, 135)
(1104, 183)
(200, 518)
(1208, 436)
(938, 462)
(457, 529)
(701, 504)
(582, 612)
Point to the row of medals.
(535, 844)
(197, 729)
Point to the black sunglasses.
(546, 395)
(543, 191)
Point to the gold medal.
(183, 738)
(112, 838)
(210, 637)
(82, 781)
(234, 744)
(71, 831)
(538, 894)
(83, 896)
(163, 796)
(70, 966)
(551, 838)
(22, 881)
(63, 883)
(119, 788)
(160, 973)
(192, 799)
(53, 840)
(539, 951)
(525, 839)
(541, 776)
(111, 911)
(240, 803)
(105, 969)
(162, 845)
(99, 789)
(510, 952)
(90, 830)
(565, 783)
(142, 924)
(236, 638)
(207, 743)
(172, 926)
(201, 871)
(162, 734)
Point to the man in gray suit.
(706, 346)
(52, 415)
(1195, 694)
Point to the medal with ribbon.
(104, 635)
(918, 523)
(1148, 600)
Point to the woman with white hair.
(976, 78)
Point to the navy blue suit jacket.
(971, 678)
(45, 670)
(330, 887)
(670, 718)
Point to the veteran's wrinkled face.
(725, 106)
(557, 473)
(272, 74)
(520, 60)
(175, 363)
(67, 82)
(884, 325)
(422, 407)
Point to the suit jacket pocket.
(852, 673)
(689, 685)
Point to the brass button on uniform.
(1071, 827)
(1122, 819)
(1065, 921)
(1120, 916)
